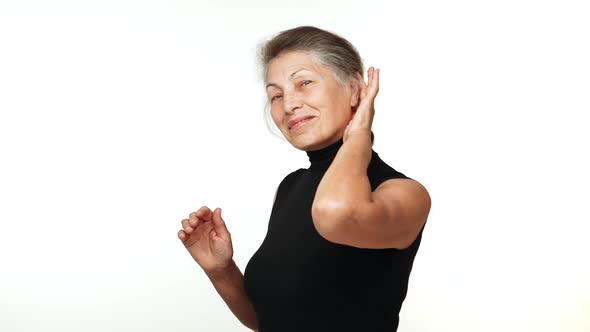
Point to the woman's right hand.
(207, 239)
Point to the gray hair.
(328, 49)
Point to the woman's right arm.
(207, 239)
(229, 283)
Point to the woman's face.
(300, 86)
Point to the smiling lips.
(297, 123)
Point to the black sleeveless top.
(299, 281)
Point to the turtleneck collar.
(323, 157)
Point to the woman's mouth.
(301, 124)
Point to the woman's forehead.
(288, 65)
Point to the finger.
(193, 220)
(187, 228)
(360, 78)
(202, 214)
(362, 81)
(362, 85)
(372, 74)
(219, 225)
(375, 81)
(182, 235)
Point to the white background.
(119, 118)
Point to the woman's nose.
(291, 102)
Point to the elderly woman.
(343, 233)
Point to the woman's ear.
(355, 93)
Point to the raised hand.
(207, 239)
(362, 119)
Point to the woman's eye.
(304, 83)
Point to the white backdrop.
(119, 118)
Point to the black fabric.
(299, 281)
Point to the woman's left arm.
(346, 211)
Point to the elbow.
(327, 220)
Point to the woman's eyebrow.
(290, 77)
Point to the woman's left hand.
(362, 119)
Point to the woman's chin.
(306, 142)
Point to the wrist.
(223, 272)
(360, 143)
